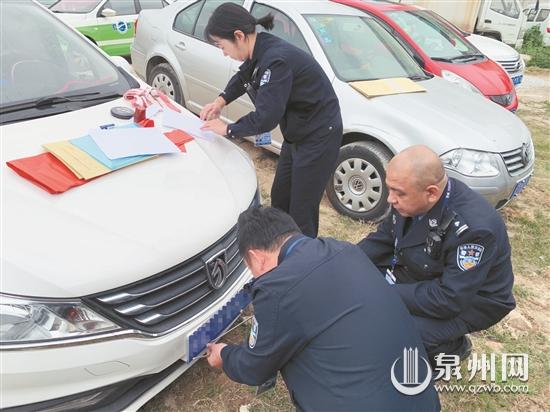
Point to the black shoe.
(465, 349)
(462, 347)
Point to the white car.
(480, 143)
(540, 17)
(110, 289)
(500, 52)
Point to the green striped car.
(108, 23)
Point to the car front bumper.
(79, 370)
(498, 190)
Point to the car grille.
(511, 65)
(170, 298)
(519, 159)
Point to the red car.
(442, 50)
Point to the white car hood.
(121, 227)
(494, 49)
(444, 117)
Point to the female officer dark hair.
(229, 17)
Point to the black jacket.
(288, 87)
(333, 327)
(473, 277)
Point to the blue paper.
(87, 144)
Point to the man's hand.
(212, 110)
(215, 125)
(214, 354)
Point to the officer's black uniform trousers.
(303, 172)
(290, 89)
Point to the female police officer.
(290, 89)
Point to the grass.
(528, 221)
(533, 46)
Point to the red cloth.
(179, 138)
(47, 172)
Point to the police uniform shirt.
(331, 328)
(288, 88)
(472, 278)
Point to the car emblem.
(216, 270)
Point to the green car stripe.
(115, 39)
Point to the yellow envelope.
(81, 164)
(382, 87)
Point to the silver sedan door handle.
(180, 45)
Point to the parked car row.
(442, 50)
(104, 286)
(480, 143)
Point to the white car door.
(286, 29)
(205, 69)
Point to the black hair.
(264, 228)
(229, 17)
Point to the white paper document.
(125, 142)
(186, 122)
(152, 111)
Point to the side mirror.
(108, 13)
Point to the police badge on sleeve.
(253, 333)
(469, 255)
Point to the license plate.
(517, 79)
(213, 327)
(522, 184)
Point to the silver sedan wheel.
(358, 185)
(163, 82)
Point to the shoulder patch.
(253, 338)
(468, 255)
(265, 77)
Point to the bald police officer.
(445, 250)
(325, 318)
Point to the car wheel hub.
(162, 82)
(358, 185)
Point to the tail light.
(548, 29)
(135, 27)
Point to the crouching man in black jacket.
(334, 330)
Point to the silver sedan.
(480, 143)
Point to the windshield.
(359, 48)
(49, 59)
(433, 36)
(74, 6)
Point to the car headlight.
(34, 320)
(462, 82)
(471, 162)
(503, 99)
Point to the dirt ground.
(527, 330)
